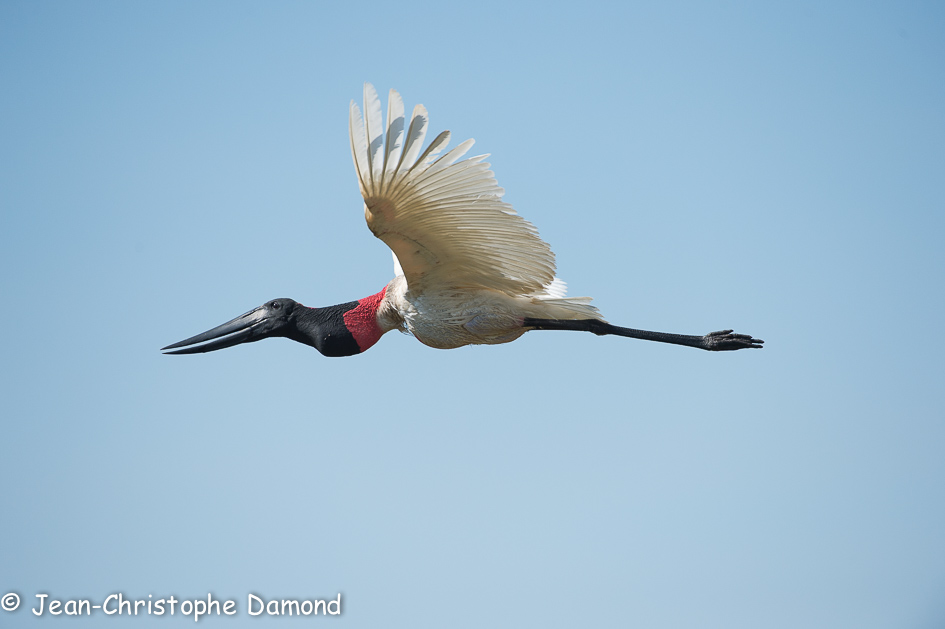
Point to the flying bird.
(468, 269)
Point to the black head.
(276, 317)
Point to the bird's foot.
(725, 340)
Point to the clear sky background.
(777, 168)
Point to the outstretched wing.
(444, 219)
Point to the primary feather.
(443, 216)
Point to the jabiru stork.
(468, 269)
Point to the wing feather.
(395, 134)
(443, 216)
(358, 146)
(374, 132)
(419, 121)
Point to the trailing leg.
(723, 340)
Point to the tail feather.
(554, 295)
(569, 307)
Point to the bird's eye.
(275, 305)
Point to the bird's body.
(468, 269)
(450, 317)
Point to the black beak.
(243, 329)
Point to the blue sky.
(775, 168)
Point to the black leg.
(723, 340)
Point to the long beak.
(242, 329)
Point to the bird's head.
(276, 317)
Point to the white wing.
(444, 219)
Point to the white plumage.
(469, 268)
